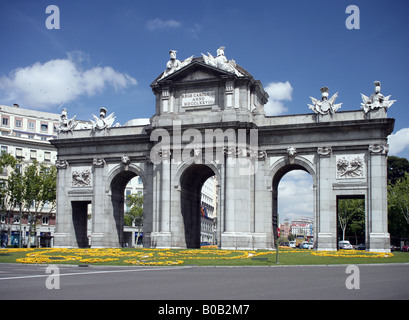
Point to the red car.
(405, 248)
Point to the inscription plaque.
(193, 99)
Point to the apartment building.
(25, 134)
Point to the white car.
(345, 245)
(307, 245)
(291, 244)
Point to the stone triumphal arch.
(209, 121)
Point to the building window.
(33, 154)
(4, 149)
(5, 121)
(47, 156)
(19, 153)
(31, 125)
(19, 123)
(46, 220)
(44, 127)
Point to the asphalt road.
(390, 281)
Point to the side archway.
(118, 179)
(281, 168)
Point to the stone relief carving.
(350, 166)
(376, 100)
(325, 105)
(221, 62)
(324, 151)
(103, 122)
(378, 149)
(125, 160)
(164, 153)
(61, 164)
(81, 178)
(98, 163)
(66, 124)
(292, 152)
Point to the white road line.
(94, 272)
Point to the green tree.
(40, 183)
(397, 167)
(399, 196)
(134, 217)
(357, 225)
(11, 188)
(348, 209)
(397, 223)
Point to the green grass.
(198, 257)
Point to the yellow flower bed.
(164, 257)
(352, 254)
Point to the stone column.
(161, 235)
(326, 202)
(64, 233)
(263, 218)
(104, 227)
(379, 238)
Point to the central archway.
(119, 179)
(279, 171)
(191, 182)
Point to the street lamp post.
(20, 235)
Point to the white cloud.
(162, 24)
(398, 141)
(278, 92)
(295, 195)
(59, 81)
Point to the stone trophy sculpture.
(325, 106)
(376, 100)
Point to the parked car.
(307, 245)
(345, 245)
(405, 248)
(291, 244)
(394, 248)
(360, 246)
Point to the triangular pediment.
(197, 70)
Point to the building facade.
(25, 134)
(209, 121)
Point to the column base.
(161, 240)
(244, 241)
(379, 242)
(325, 242)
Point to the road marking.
(94, 272)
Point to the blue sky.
(107, 53)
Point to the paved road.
(389, 281)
